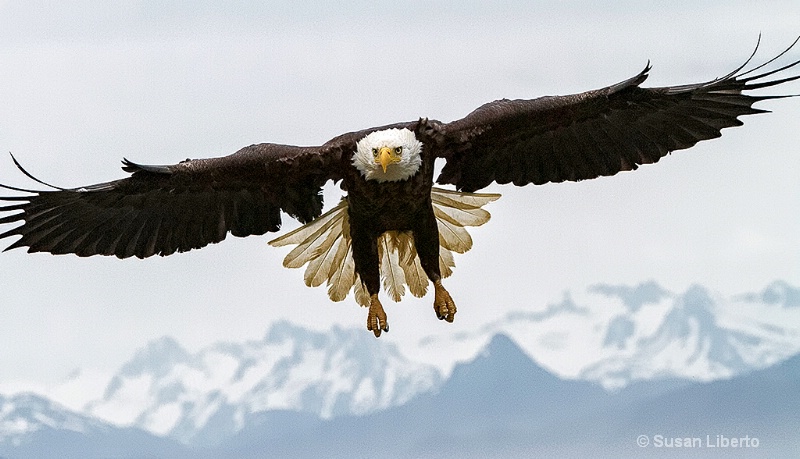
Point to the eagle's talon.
(443, 303)
(376, 318)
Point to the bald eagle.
(392, 223)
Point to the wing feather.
(167, 209)
(598, 133)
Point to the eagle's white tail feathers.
(325, 246)
(415, 276)
(446, 262)
(394, 278)
(343, 271)
(360, 293)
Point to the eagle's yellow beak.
(385, 158)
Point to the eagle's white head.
(388, 156)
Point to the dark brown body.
(375, 208)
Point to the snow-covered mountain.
(203, 397)
(24, 414)
(608, 334)
(499, 404)
(616, 334)
(698, 337)
(35, 427)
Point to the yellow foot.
(376, 319)
(443, 304)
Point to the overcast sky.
(84, 84)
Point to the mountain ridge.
(589, 420)
(499, 404)
(652, 340)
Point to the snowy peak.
(695, 336)
(617, 334)
(622, 327)
(197, 397)
(777, 293)
(609, 335)
(25, 414)
(693, 323)
(35, 427)
(498, 403)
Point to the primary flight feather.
(392, 223)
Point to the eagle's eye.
(375, 152)
(398, 150)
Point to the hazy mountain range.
(587, 374)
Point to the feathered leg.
(426, 239)
(365, 257)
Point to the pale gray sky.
(85, 83)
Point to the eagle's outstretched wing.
(167, 209)
(596, 133)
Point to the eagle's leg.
(376, 318)
(426, 240)
(443, 304)
(365, 257)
